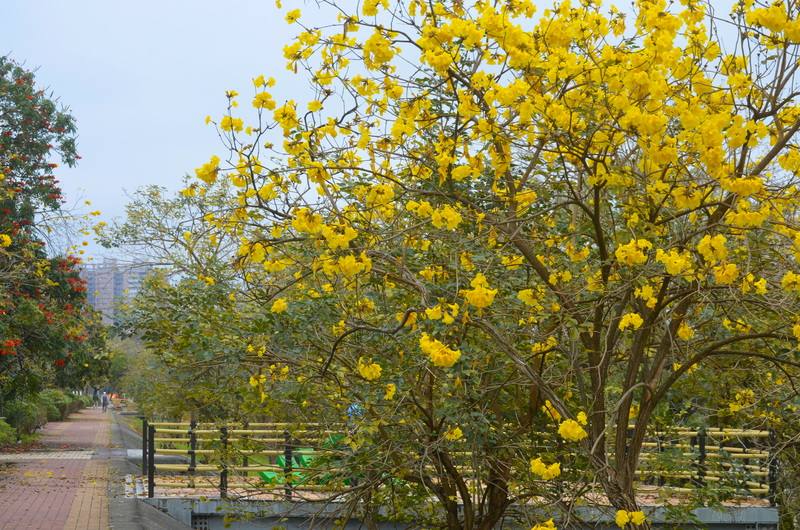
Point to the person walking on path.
(96, 398)
(104, 400)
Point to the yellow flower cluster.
(530, 297)
(774, 18)
(370, 7)
(379, 195)
(544, 346)
(623, 518)
(423, 208)
(544, 471)
(229, 123)
(369, 370)
(5, 240)
(263, 100)
(742, 186)
(634, 252)
(391, 389)
(791, 282)
(675, 262)
(446, 313)
(550, 410)
(377, 51)
(685, 331)
(726, 273)
(712, 248)
(338, 237)
(307, 221)
(208, 171)
(445, 217)
(348, 265)
(481, 295)
(630, 320)
(572, 431)
(749, 283)
(453, 434)
(439, 354)
(743, 398)
(648, 294)
(279, 306)
(547, 525)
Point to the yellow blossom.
(675, 262)
(551, 411)
(630, 320)
(369, 370)
(726, 273)
(445, 217)
(279, 306)
(481, 295)
(633, 252)
(292, 16)
(685, 331)
(229, 123)
(208, 171)
(571, 431)
(453, 434)
(544, 471)
(712, 248)
(791, 282)
(439, 354)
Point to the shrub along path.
(66, 484)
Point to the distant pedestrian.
(96, 398)
(104, 400)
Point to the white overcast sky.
(139, 77)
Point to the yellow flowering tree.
(508, 222)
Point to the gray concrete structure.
(112, 282)
(209, 514)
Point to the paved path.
(61, 487)
(75, 482)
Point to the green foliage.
(60, 404)
(48, 333)
(7, 433)
(39, 129)
(26, 416)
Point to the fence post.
(245, 460)
(151, 461)
(144, 445)
(772, 476)
(660, 442)
(287, 465)
(223, 475)
(701, 461)
(192, 449)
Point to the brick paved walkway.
(50, 490)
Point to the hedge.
(8, 435)
(28, 415)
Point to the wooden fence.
(285, 458)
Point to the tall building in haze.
(111, 283)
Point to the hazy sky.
(139, 77)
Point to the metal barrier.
(163, 437)
(739, 458)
